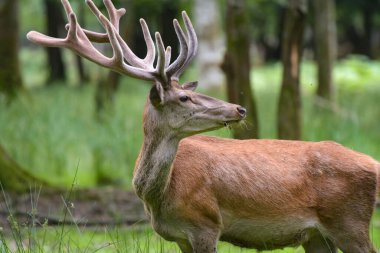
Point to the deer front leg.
(185, 246)
(319, 244)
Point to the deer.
(197, 190)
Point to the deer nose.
(242, 111)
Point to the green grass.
(133, 239)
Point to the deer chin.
(218, 124)
(228, 121)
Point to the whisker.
(244, 124)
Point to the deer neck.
(153, 166)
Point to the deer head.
(171, 106)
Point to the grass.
(135, 239)
(49, 131)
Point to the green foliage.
(357, 72)
(56, 130)
(34, 72)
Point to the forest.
(71, 130)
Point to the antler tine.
(160, 67)
(192, 44)
(45, 40)
(118, 58)
(150, 53)
(168, 55)
(73, 31)
(114, 14)
(67, 7)
(173, 68)
(192, 36)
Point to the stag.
(262, 194)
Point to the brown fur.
(271, 180)
(266, 179)
(378, 179)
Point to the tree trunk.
(13, 177)
(368, 12)
(10, 76)
(289, 107)
(83, 78)
(273, 49)
(55, 24)
(325, 44)
(105, 94)
(169, 12)
(211, 46)
(237, 65)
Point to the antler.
(124, 60)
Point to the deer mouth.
(234, 120)
(229, 122)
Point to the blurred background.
(305, 70)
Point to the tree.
(325, 44)
(55, 23)
(267, 17)
(106, 89)
(370, 13)
(358, 27)
(237, 65)
(289, 106)
(211, 46)
(10, 76)
(13, 177)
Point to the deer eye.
(184, 98)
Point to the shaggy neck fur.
(153, 167)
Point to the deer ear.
(156, 95)
(190, 85)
